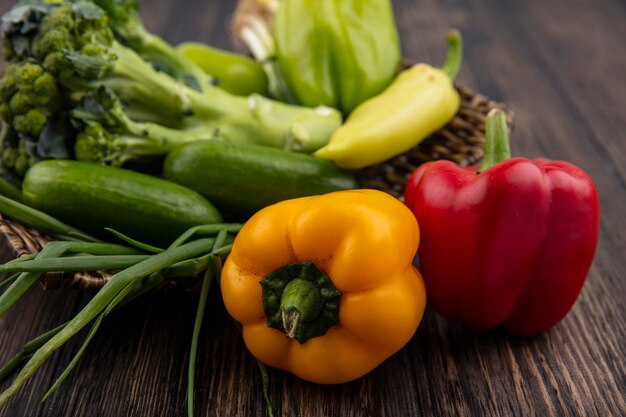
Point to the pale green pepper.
(337, 53)
(420, 101)
(234, 73)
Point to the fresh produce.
(63, 54)
(338, 292)
(251, 25)
(508, 245)
(125, 22)
(420, 101)
(336, 53)
(28, 216)
(323, 285)
(9, 190)
(103, 113)
(243, 178)
(234, 73)
(199, 249)
(92, 197)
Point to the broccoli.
(108, 135)
(27, 91)
(63, 54)
(126, 23)
(34, 126)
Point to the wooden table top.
(561, 67)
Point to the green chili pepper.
(337, 53)
(235, 73)
(419, 102)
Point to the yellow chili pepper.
(324, 286)
(420, 101)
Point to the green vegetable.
(54, 250)
(111, 137)
(9, 190)
(28, 348)
(31, 217)
(214, 270)
(62, 55)
(75, 264)
(337, 53)
(33, 123)
(126, 23)
(106, 299)
(235, 73)
(92, 197)
(246, 178)
(420, 101)
(252, 27)
(145, 274)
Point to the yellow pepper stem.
(455, 54)
(300, 300)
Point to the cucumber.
(243, 178)
(92, 197)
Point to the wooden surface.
(561, 66)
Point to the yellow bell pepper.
(324, 286)
(420, 101)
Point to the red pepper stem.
(497, 147)
(455, 54)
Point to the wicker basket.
(460, 141)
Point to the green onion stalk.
(199, 250)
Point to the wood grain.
(560, 65)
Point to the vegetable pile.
(131, 154)
(91, 83)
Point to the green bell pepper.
(235, 73)
(337, 53)
(420, 101)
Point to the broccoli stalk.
(109, 136)
(252, 119)
(126, 23)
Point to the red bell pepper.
(508, 245)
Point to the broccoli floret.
(29, 97)
(26, 85)
(31, 123)
(27, 93)
(17, 151)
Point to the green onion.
(28, 348)
(25, 280)
(122, 282)
(214, 268)
(133, 242)
(31, 217)
(266, 382)
(9, 280)
(9, 190)
(206, 230)
(142, 274)
(75, 264)
(54, 250)
(204, 294)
